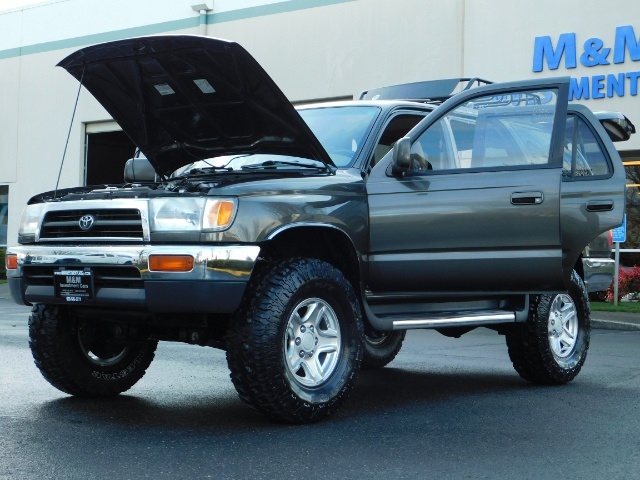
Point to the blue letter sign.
(544, 48)
(594, 55)
(620, 233)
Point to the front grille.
(107, 223)
(121, 276)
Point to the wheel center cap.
(308, 341)
(555, 327)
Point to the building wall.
(508, 53)
(313, 49)
(342, 49)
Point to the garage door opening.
(106, 155)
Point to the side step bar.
(468, 319)
(445, 319)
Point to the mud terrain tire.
(295, 348)
(551, 347)
(77, 357)
(380, 348)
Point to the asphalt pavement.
(4, 291)
(605, 320)
(444, 409)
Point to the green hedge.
(3, 271)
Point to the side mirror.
(139, 170)
(401, 156)
(618, 127)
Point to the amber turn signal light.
(11, 262)
(170, 263)
(218, 214)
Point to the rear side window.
(583, 156)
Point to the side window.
(583, 157)
(432, 151)
(497, 132)
(397, 128)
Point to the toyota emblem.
(86, 222)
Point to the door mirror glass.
(401, 156)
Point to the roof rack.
(428, 91)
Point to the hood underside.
(185, 98)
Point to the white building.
(313, 49)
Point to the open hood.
(183, 98)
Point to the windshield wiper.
(211, 168)
(201, 172)
(274, 164)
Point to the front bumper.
(123, 280)
(598, 273)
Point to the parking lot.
(445, 408)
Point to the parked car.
(306, 242)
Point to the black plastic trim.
(185, 296)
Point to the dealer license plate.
(73, 286)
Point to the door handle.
(527, 198)
(599, 205)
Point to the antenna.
(66, 144)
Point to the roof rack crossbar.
(428, 91)
(471, 81)
(525, 98)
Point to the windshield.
(246, 162)
(341, 130)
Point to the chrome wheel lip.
(312, 343)
(563, 326)
(379, 339)
(91, 356)
(105, 362)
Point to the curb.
(614, 325)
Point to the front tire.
(80, 357)
(551, 347)
(296, 346)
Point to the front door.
(479, 209)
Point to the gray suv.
(306, 242)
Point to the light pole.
(203, 9)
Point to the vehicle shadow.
(389, 388)
(388, 391)
(202, 414)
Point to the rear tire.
(79, 357)
(296, 346)
(380, 348)
(551, 347)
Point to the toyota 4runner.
(305, 242)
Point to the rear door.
(593, 184)
(479, 210)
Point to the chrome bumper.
(215, 284)
(598, 273)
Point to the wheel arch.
(323, 241)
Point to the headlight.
(175, 214)
(191, 214)
(30, 220)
